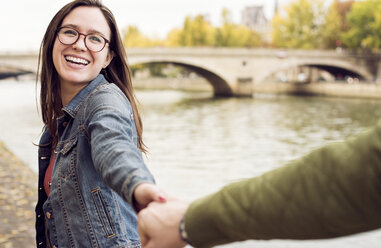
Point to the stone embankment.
(18, 195)
(331, 89)
(355, 90)
(186, 84)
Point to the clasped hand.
(159, 217)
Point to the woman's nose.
(80, 43)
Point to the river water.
(197, 144)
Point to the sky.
(23, 22)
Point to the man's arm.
(333, 191)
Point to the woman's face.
(76, 64)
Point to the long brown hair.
(117, 71)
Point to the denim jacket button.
(48, 215)
(64, 124)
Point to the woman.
(91, 173)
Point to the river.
(198, 143)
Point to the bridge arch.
(333, 67)
(220, 85)
(8, 71)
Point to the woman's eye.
(95, 38)
(69, 32)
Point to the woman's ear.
(109, 58)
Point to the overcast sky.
(23, 22)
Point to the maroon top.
(48, 174)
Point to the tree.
(343, 8)
(335, 24)
(133, 38)
(173, 38)
(301, 27)
(364, 20)
(331, 28)
(232, 35)
(224, 35)
(196, 32)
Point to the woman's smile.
(76, 60)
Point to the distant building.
(254, 18)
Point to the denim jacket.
(96, 169)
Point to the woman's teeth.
(76, 60)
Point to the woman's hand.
(146, 193)
(159, 224)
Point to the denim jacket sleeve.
(110, 127)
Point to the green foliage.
(364, 21)
(134, 38)
(232, 35)
(331, 28)
(136, 67)
(225, 34)
(335, 24)
(156, 70)
(173, 38)
(196, 32)
(301, 27)
(305, 24)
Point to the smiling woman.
(75, 63)
(91, 173)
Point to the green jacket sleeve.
(332, 191)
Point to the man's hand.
(147, 192)
(159, 224)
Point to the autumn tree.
(132, 37)
(196, 32)
(364, 20)
(335, 24)
(173, 38)
(233, 35)
(301, 26)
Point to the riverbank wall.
(355, 90)
(329, 89)
(186, 84)
(18, 196)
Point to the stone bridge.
(234, 71)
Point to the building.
(254, 18)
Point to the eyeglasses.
(93, 42)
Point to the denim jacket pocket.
(68, 145)
(67, 156)
(103, 213)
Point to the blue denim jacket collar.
(72, 107)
